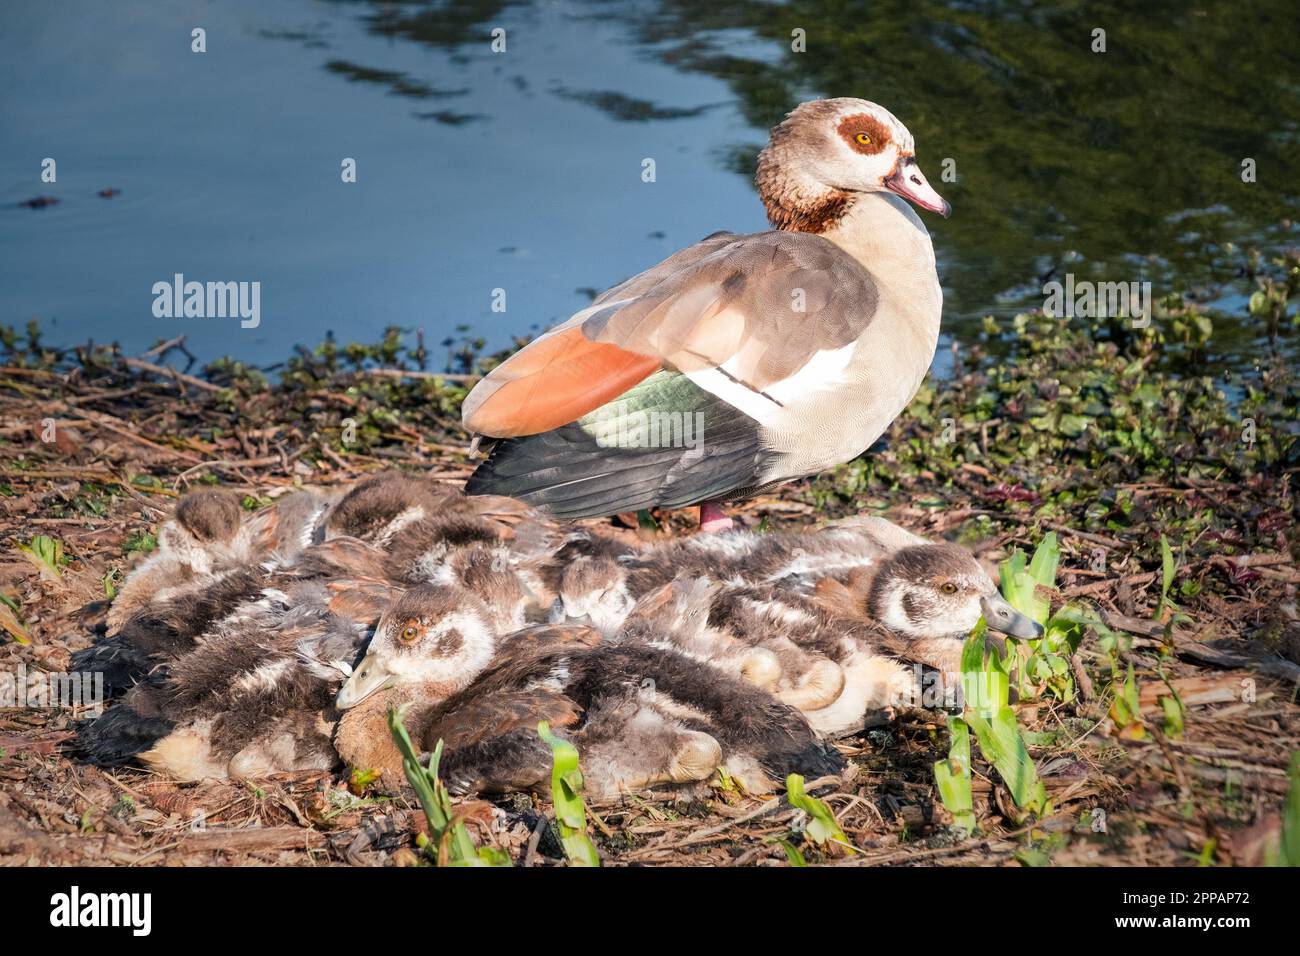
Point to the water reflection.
(481, 170)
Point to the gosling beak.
(1001, 616)
(557, 613)
(561, 615)
(909, 182)
(370, 677)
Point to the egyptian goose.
(743, 361)
(641, 715)
(166, 627)
(930, 594)
(603, 586)
(776, 640)
(429, 532)
(213, 556)
(211, 552)
(599, 582)
(844, 650)
(916, 606)
(678, 617)
(924, 599)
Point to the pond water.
(521, 170)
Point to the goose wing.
(476, 720)
(747, 312)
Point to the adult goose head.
(744, 360)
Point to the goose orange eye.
(949, 588)
(409, 633)
(863, 139)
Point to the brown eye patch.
(864, 133)
(915, 608)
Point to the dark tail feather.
(165, 631)
(125, 730)
(815, 759)
(121, 663)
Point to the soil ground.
(126, 439)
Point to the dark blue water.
(228, 164)
(521, 171)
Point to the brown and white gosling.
(254, 693)
(214, 556)
(597, 579)
(641, 715)
(254, 696)
(838, 609)
(211, 533)
(927, 597)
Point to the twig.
(534, 840)
(142, 365)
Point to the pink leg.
(713, 519)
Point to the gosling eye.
(863, 139)
(948, 588)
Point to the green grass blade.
(985, 687)
(822, 827)
(953, 778)
(10, 622)
(1168, 566)
(1047, 558)
(449, 841)
(415, 774)
(793, 856)
(1289, 845)
(1002, 744)
(566, 794)
(1020, 583)
(46, 553)
(1015, 581)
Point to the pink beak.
(910, 183)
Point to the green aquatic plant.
(1034, 666)
(46, 553)
(1168, 611)
(1172, 708)
(10, 621)
(1045, 662)
(793, 855)
(1126, 707)
(142, 543)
